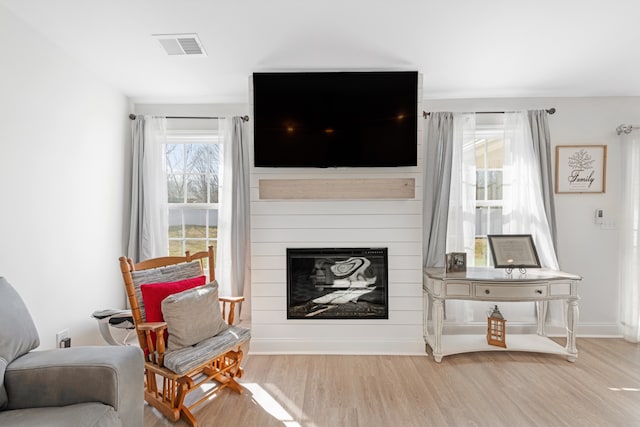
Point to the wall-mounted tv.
(335, 119)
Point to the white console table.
(489, 284)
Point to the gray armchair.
(79, 386)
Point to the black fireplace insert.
(337, 283)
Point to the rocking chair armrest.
(231, 299)
(159, 347)
(232, 308)
(152, 326)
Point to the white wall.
(584, 248)
(63, 149)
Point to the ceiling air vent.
(181, 44)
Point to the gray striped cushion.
(185, 359)
(171, 273)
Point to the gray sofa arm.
(113, 375)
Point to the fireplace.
(337, 283)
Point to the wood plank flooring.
(476, 389)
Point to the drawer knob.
(539, 291)
(487, 291)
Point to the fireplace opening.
(337, 283)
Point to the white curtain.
(630, 237)
(523, 207)
(149, 222)
(233, 254)
(461, 223)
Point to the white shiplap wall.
(394, 223)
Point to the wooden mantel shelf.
(350, 188)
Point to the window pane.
(175, 188)
(191, 157)
(480, 185)
(196, 189)
(194, 246)
(195, 223)
(198, 158)
(214, 150)
(175, 224)
(213, 224)
(495, 222)
(480, 147)
(175, 158)
(495, 153)
(175, 248)
(481, 252)
(494, 185)
(213, 189)
(482, 213)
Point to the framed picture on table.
(456, 262)
(513, 251)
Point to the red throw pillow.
(154, 293)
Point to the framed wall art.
(581, 168)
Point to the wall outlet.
(63, 339)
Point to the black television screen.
(335, 119)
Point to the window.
(193, 165)
(489, 155)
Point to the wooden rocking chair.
(183, 370)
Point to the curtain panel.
(541, 138)
(630, 237)
(149, 218)
(438, 152)
(233, 255)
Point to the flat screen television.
(335, 119)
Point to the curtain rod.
(244, 118)
(551, 110)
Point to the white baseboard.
(598, 330)
(414, 347)
(280, 346)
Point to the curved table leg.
(438, 321)
(541, 312)
(572, 320)
(425, 321)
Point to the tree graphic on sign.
(580, 160)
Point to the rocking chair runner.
(183, 370)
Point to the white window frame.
(183, 136)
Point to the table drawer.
(508, 292)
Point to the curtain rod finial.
(132, 116)
(551, 110)
(624, 129)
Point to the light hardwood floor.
(476, 389)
